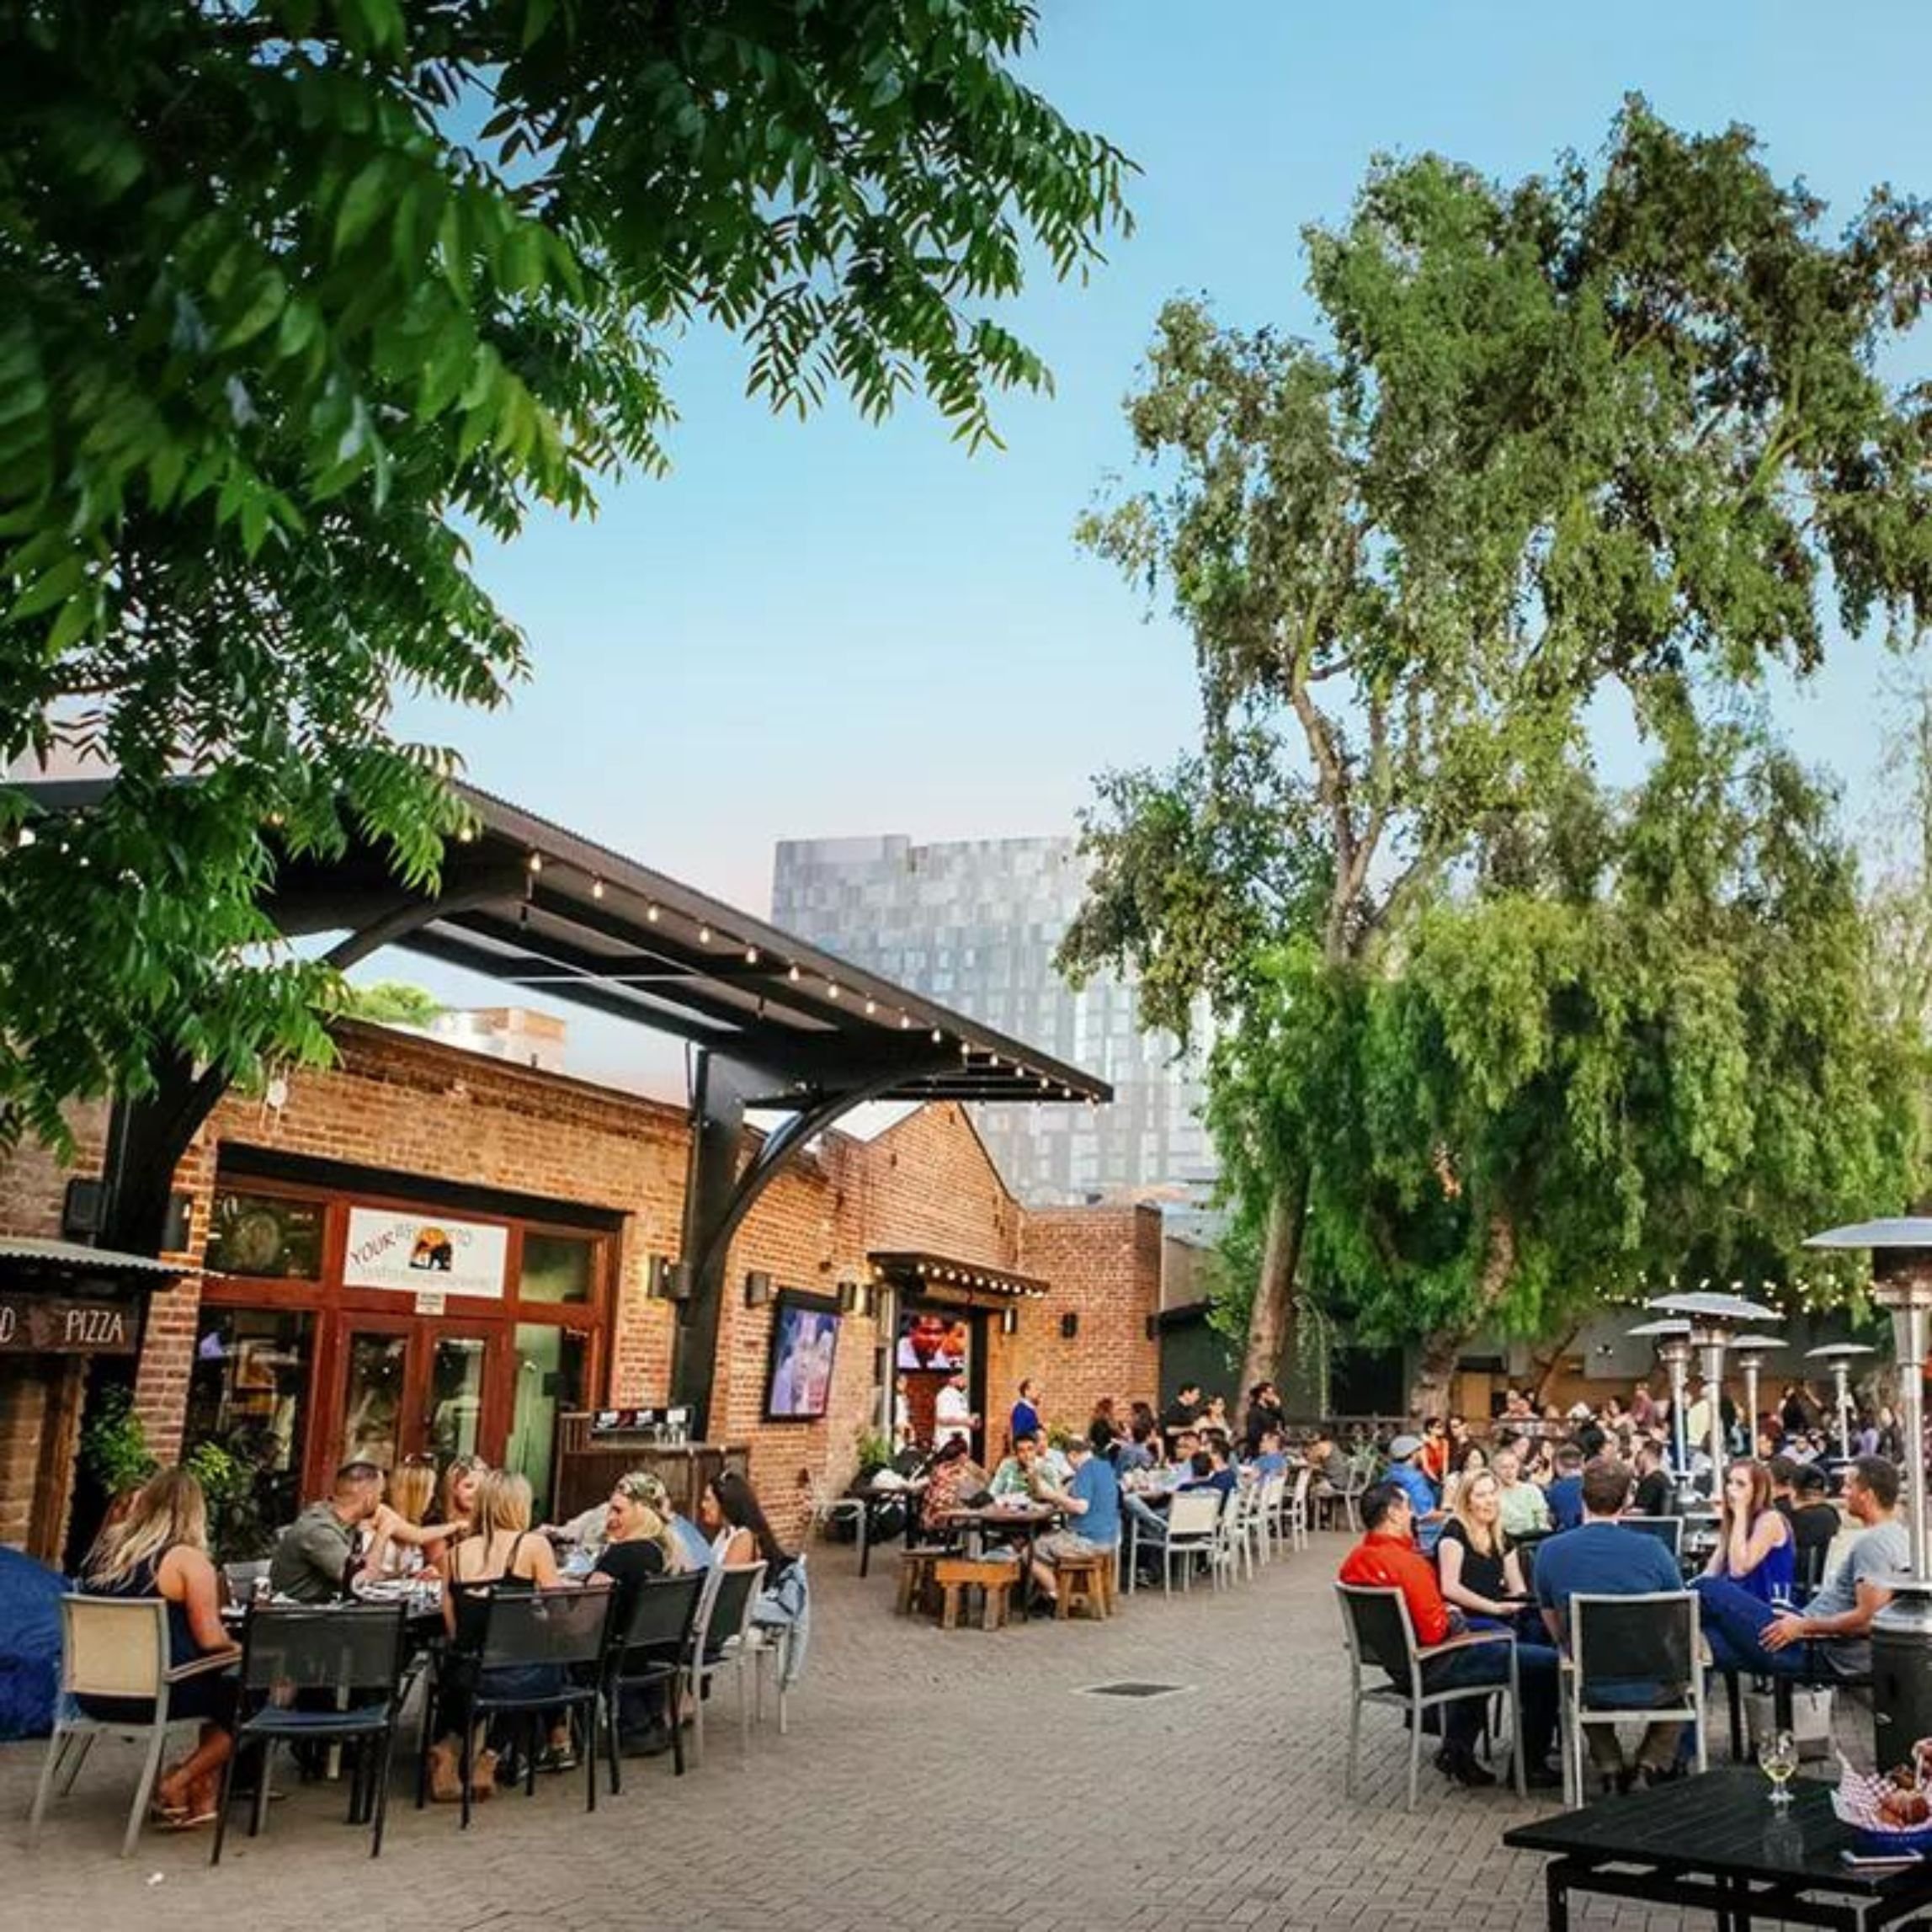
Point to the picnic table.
(1716, 1843)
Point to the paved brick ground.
(929, 1778)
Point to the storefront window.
(456, 1365)
(248, 1397)
(266, 1236)
(550, 1380)
(373, 1395)
(558, 1267)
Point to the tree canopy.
(297, 296)
(1623, 423)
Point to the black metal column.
(719, 1090)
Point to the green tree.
(297, 295)
(389, 1002)
(1612, 423)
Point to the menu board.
(424, 1253)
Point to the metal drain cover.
(1131, 1688)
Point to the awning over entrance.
(941, 1276)
(61, 1298)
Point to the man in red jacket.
(1386, 1556)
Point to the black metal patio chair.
(648, 1649)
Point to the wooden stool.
(1081, 1583)
(955, 1575)
(916, 1570)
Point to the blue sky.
(833, 628)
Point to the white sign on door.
(423, 1254)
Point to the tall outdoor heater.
(1713, 1319)
(1838, 1356)
(1673, 1340)
(1748, 1352)
(1901, 1632)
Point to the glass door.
(414, 1386)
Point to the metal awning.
(920, 1273)
(26, 1254)
(544, 910)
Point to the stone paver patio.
(930, 1778)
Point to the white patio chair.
(829, 1507)
(720, 1641)
(114, 1646)
(1194, 1522)
(1269, 1505)
(1292, 1517)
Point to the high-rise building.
(976, 924)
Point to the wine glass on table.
(1778, 1758)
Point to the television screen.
(929, 1341)
(804, 1345)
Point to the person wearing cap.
(1404, 1473)
(316, 1555)
(1387, 1557)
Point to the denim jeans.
(1489, 1663)
(1734, 1622)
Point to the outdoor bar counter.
(591, 1458)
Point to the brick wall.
(417, 1107)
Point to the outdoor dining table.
(1021, 1523)
(1716, 1843)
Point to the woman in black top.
(640, 1548)
(1481, 1576)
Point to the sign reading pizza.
(420, 1253)
(66, 1325)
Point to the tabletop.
(995, 1513)
(1723, 1823)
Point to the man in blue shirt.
(1025, 1420)
(1565, 1496)
(1211, 1470)
(1600, 1559)
(1092, 1501)
(1420, 1491)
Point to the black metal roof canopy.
(781, 1024)
(922, 1273)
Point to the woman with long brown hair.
(158, 1547)
(1754, 1548)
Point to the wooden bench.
(1084, 1584)
(955, 1575)
(916, 1569)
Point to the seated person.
(731, 1510)
(1526, 1509)
(1092, 1502)
(1565, 1495)
(502, 1553)
(158, 1547)
(1480, 1575)
(638, 1548)
(1141, 1451)
(1326, 1457)
(316, 1556)
(1656, 1494)
(1020, 1474)
(1815, 1520)
(397, 1541)
(1755, 1545)
(1833, 1632)
(1387, 1557)
(1601, 1558)
(1270, 1458)
(1211, 1470)
(955, 1476)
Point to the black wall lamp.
(758, 1288)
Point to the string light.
(750, 955)
(24, 836)
(597, 888)
(871, 1007)
(904, 1021)
(794, 975)
(938, 1036)
(651, 913)
(831, 989)
(703, 935)
(534, 861)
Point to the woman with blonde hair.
(1480, 1574)
(639, 1548)
(158, 1547)
(502, 1552)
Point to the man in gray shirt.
(1745, 1634)
(315, 1554)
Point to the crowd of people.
(470, 1534)
(1501, 1535)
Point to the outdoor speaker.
(84, 1208)
(1069, 1326)
(669, 1280)
(758, 1288)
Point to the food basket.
(1862, 1800)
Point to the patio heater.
(1748, 1352)
(1714, 1320)
(1839, 1356)
(1902, 1632)
(1673, 1340)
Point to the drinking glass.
(1778, 1758)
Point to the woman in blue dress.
(1754, 1547)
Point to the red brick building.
(536, 1203)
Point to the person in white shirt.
(953, 1419)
